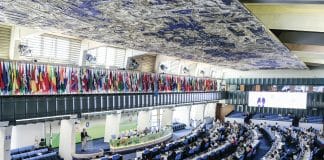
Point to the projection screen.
(296, 100)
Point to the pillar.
(210, 110)
(5, 142)
(112, 126)
(67, 139)
(143, 120)
(167, 117)
(197, 112)
(182, 115)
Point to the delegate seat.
(117, 157)
(178, 156)
(157, 157)
(22, 149)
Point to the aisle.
(263, 148)
(180, 134)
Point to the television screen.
(295, 100)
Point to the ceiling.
(297, 23)
(220, 32)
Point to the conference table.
(219, 148)
(136, 142)
(193, 132)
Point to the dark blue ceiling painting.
(220, 32)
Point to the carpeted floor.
(180, 134)
(263, 148)
(93, 146)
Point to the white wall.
(195, 67)
(25, 135)
(143, 120)
(167, 117)
(210, 110)
(197, 112)
(112, 126)
(67, 139)
(181, 115)
(5, 141)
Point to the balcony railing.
(15, 108)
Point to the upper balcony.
(30, 90)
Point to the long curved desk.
(141, 145)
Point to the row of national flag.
(22, 78)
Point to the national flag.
(106, 81)
(134, 83)
(156, 85)
(33, 77)
(85, 85)
(2, 85)
(53, 79)
(120, 82)
(90, 80)
(28, 76)
(74, 80)
(5, 76)
(67, 79)
(21, 79)
(179, 83)
(110, 81)
(46, 78)
(15, 84)
(61, 85)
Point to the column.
(167, 117)
(181, 115)
(197, 112)
(143, 120)
(112, 126)
(67, 139)
(5, 142)
(210, 110)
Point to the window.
(111, 56)
(5, 34)
(52, 49)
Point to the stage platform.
(95, 148)
(89, 154)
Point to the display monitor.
(295, 100)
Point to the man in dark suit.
(172, 155)
(84, 139)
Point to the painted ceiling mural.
(220, 32)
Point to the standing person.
(323, 126)
(84, 139)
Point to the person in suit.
(84, 139)
(186, 151)
(172, 155)
(42, 143)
